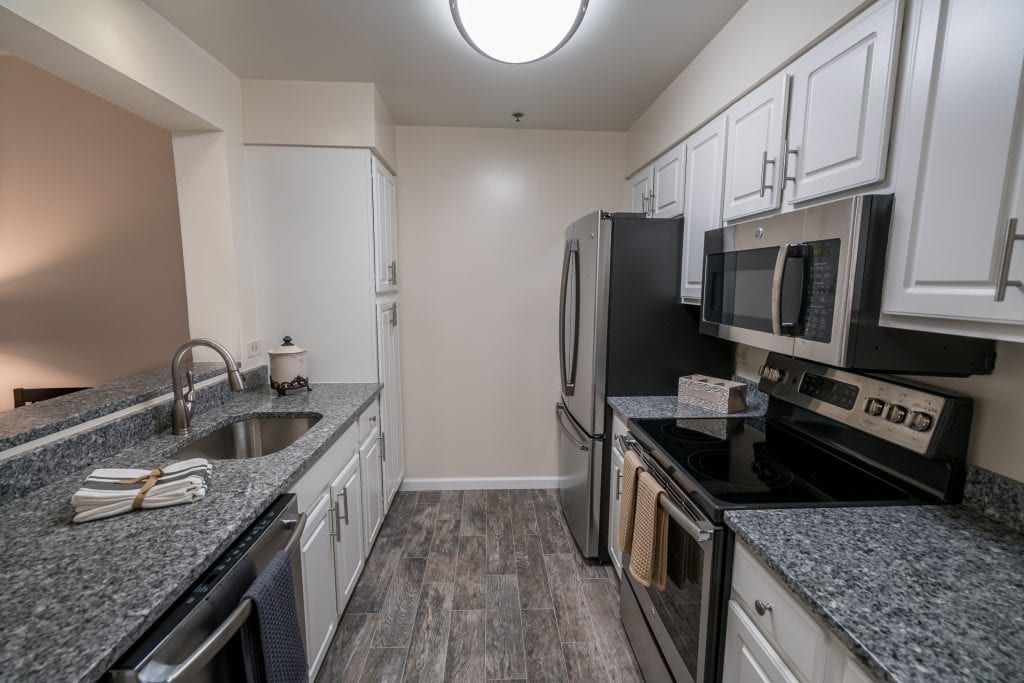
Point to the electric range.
(828, 438)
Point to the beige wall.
(126, 53)
(481, 218)
(762, 36)
(997, 431)
(92, 284)
(318, 113)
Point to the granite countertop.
(47, 417)
(76, 596)
(928, 593)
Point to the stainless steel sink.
(252, 438)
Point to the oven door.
(679, 623)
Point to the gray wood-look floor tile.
(475, 585)
(501, 592)
(372, 588)
(420, 532)
(549, 524)
(384, 664)
(542, 646)
(602, 601)
(503, 645)
(583, 662)
(465, 661)
(567, 596)
(429, 646)
(532, 575)
(474, 514)
(347, 655)
(396, 619)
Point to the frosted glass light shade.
(517, 31)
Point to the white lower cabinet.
(318, 584)
(770, 636)
(614, 508)
(350, 551)
(340, 495)
(373, 502)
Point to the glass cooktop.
(752, 463)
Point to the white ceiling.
(624, 54)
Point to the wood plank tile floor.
(480, 585)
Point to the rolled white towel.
(114, 491)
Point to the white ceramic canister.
(289, 367)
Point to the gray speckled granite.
(39, 419)
(653, 407)
(25, 472)
(996, 496)
(75, 597)
(929, 593)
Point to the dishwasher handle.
(216, 641)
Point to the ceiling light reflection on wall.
(517, 31)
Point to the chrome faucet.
(181, 412)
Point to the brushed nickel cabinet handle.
(1005, 258)
(762, 607)
(764, 172)
(344, 496)
(785, 166)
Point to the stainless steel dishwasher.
(197, 639)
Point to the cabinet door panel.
(705, 166)
(318, 582)
(349, 548)
(840, 106)
(749, 658)
(640, 189)
(392, 441)
(755, 126)
(373, 506)
(958, 165)
(667, 184)
(385, 247)
(614, 506)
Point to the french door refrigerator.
(622, 332)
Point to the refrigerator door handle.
(574, 438)
(570, 268)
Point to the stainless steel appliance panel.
(584, 318)
(580, 467)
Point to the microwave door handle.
(778, 276)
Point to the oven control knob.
(874, 406)
(920, 422)
(771, 374)
(896, 414)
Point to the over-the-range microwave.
(808, 283)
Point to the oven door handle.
(216, 641)
(701, 532)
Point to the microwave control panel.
(818, 303)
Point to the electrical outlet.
(254, 348)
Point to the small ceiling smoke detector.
(518, 116)
(517, 31)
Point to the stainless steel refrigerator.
(622, 332)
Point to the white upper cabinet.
(753, 165)
(840, 105)
(667, 185)
(385, 228)
(955, 250)
(640, 191)
(704, 155)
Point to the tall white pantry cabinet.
(326, 259)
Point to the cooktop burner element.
(720, 464)
(674, 430)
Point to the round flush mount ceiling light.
(517, 31)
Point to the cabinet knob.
(762, 607)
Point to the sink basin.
(252, 438)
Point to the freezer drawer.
(580, 460)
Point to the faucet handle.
(190, 395)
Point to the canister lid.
(286, 348)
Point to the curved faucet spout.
(181, 412)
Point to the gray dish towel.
(272, 642)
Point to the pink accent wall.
(92, 283)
